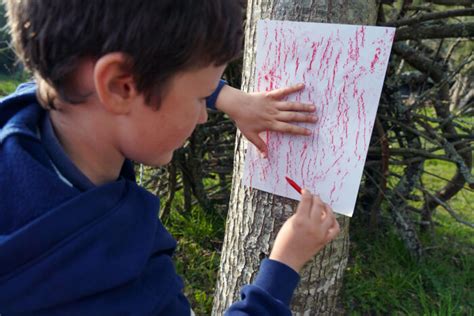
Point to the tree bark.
(255, 217)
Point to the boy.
(118, 81)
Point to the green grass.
(462, 203)
(382, 278)
(200, 236)
(8, 84)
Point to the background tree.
(255, 217)
(7, 58)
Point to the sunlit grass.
(200, 236)
(7, 84)
(382, 278)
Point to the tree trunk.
(255, 217)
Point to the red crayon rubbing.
(294, 185)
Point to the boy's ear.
(114, 83)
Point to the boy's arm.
(258, 112)
(270, 293)
(302, 236)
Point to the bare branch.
(446, 207)
(419, 61)
(389, 2)
(411, 129)
(435, 31)
(419, 8)
(451, 50)
(430, 16)
(466, 3)
(412, 152)
(452, 151)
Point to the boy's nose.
(203, 115)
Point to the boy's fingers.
(283, 92)
(327, 211)
(317, 209)
(259, 143)
(295, 106)
(306, 203)
(326, 223)
(290, 129)
(288, 116)
(328, 214)
(333, 231)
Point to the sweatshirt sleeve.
(269, 294)
(211, 100)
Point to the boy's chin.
(161, 161)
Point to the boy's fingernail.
(308, 132)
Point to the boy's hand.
(305, 233)
(254, 113)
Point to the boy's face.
(151, 136)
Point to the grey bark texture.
(255, 217)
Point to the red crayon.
(294, 185)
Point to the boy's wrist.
(293, 264)
(211, 101)
(227, 99)
(278, 279)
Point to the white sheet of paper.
(343, 68)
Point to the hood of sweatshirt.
(67, 251)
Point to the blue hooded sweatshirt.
(68, 247)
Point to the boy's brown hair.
(160, 37)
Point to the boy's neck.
(87, 143)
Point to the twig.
(451, 50)
(451, 151)
(446, 207)
(435, 31)
(412, 130)
(466, 3)
(430, 16)
(419, 8)
(419, 61)
(412, 152)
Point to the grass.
(382, 278)
(8, 84)
(199, 235)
